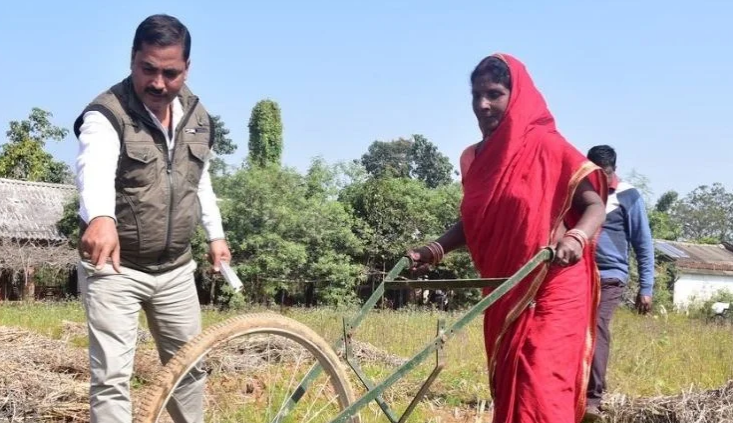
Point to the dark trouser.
(612, 291)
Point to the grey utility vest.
(157, 207)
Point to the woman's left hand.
(568, 251)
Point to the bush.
(703, 309)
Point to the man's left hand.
(218, 252)
(643, 303)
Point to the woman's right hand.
(421, 257)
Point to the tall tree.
(660, 220)
(642, 184)
(667, 201)
(415, 158)
(223, 145)
(706, 214)
(386, 159)
(23, 155)
(265, 134)
(430, 165)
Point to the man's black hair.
(162, 31)
(603, 156)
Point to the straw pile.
(41, 379)
(366, 352)
(44, 379)
(711, 406)
(252, 352)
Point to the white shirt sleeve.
(210, 214)
(96, 167)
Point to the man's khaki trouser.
(112, 302)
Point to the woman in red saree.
(525, 187)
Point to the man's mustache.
(154, 91)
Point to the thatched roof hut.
(29, 237)
(30, 210)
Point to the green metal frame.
(374, 392)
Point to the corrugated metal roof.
(717, 257)
(669, 250)
(30, 210)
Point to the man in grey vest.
(144, 186)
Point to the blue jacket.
(626, 224)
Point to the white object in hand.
(230, 276)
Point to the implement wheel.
(274, 353)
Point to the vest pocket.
(198, 153)
(127, 225)
(138, 167)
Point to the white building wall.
(694, 287)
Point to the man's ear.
(185, 72)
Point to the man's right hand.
(643, 303)
(100, 242)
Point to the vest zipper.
(169, 171)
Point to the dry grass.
(45, 379)
(41, 378)
(662, 369)
(714, 405)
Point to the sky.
(650, 78)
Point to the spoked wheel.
(255, 364)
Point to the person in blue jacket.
(626, 225)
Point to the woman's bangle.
(437, 251)
(579, 236)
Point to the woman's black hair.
(495, 69)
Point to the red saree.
(517, 199)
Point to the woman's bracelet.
(579, 236)
(437, 251)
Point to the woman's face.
(490, 101)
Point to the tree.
(286, 230)
(667, 201)
(23, 156)
(393, 215)
(265, 134)
(223, 145)
(396, 215)
(415, 157)
(430, 165)
(660, 220)
(68, 225)
(642, 184)
(389, 159)
(705, 214)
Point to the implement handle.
(406, 262)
